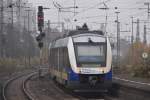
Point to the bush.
(10, 65)
(136, 65)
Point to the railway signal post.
(40, 37)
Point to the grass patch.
(11, 65)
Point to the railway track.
(28, 87)
(19, 88)
(50, 90)
(15, 88)
(94, 96)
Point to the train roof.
(84, 29)
(77, 32)
(81, 32)
(63, 41)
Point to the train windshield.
(91, 53)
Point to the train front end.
(90, 60)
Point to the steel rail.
(4, 88)
(24, 87)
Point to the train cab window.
(91, 53)
(50, 58)
(59, 58)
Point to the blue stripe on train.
(108, 76)
(72, 76)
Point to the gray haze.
(89, 13)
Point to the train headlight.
(78, 70)
(102, 71)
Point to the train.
(82, 61)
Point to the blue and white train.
(82, 61)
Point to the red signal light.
(40, 18)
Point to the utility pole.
(28, 14)
(28, 11)
(10, 6)
(24, 32)
(145, 35)
(138, 31)
(118, 43)
(148, 10)
(49, 27)
(132, 36)
(12, 12)
(148, 16)
(59, 10)
(19, 17)
(132, 40)
(24, 23)
(48, 33)
(63, 27)
(106, 18)
(19, 7)
(1, 31)
(29, 34)
(106, 24)
(118, 39)
(12, 16)
(74, 7)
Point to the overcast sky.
(88, 12)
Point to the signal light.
(39, 39)
(10, 6)
(40, 18)
(40, 8)
(40, 44)
(40, 36)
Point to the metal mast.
(118, 40)
(138, 31)
(145, 34)
(1, 30)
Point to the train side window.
(66, 58)
(61, 58)
(63, 51)
(50, 56)
(68, 62)
(55, 58)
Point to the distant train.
(82, 61)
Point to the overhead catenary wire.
(125, 12)
(89, 17)
(93, 7)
